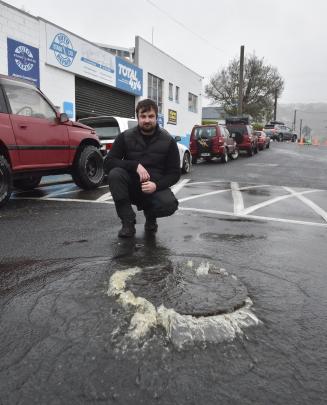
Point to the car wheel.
(88, 168)
(294, 138)
(194, 160)
(268, 145)
(28, 183)
(5, 180)
(251, 151)
(186, 168)
(224, 158)
(280, 138)
(235, 154)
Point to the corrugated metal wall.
(93, 99)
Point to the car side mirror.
(63, 117)
(178, 138)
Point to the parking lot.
(72, 291)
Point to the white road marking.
(177, 187)
(105, 197)
(255, 207)
(231, 214)
(66, 200)
(309, 203)
(237, 198)
(218, 192)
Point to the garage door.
(93, 99)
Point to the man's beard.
(148, 129)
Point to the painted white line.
(218, 192)
(65, 200)
(256, 217)
(105, 197)
(207, 182)
(255, 207)
(309, 203)
(177, 187)
(237, 198)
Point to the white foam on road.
(180, 329)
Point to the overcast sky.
(205, 35)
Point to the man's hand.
(143, 173)
(148, 187)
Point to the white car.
(108, 127)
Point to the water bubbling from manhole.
(192, 301)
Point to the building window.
(155, 90)
(177, 94)
(192, 102)
(171, 89)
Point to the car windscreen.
(131, 124)
(205, 132)
(104, 130)
(237, 129)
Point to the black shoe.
(151, 225)
(127, 229)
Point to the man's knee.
(117, 174)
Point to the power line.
(183, 26)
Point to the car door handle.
(22, 125)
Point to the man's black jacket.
(159, 155)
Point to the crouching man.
(142, 164)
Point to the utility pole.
(275, 105)
(240, 89)
(300, 130)
(294, 121)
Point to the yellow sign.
(172, 117)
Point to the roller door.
(94, 99)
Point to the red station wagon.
(36, 140)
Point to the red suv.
(243, 133)
(36, 140)
(212, 141)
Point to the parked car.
(242, 132)
(36, 140)
(212, 141)
(278, 131)
(263, 140)
(108, 127)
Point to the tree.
(261, 82)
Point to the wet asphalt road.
(65, 340)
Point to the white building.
(85, 79)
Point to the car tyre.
(235, 154)
(88, 170)
(280, 138)
(186, 168)
(224, 158)
(5, 180)
(28, 183)
(251, 151)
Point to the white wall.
(153, 60)
(58, 85)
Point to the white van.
(108, 127)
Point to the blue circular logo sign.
(63, 49)
(24, 58)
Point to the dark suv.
(243, 133)
(212, 141)
(278, 131)
(36, 140)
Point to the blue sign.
(129, 77)
(63, 49)
(23, 61)
(160, 120)
(69, 108)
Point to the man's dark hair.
(145, 106)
